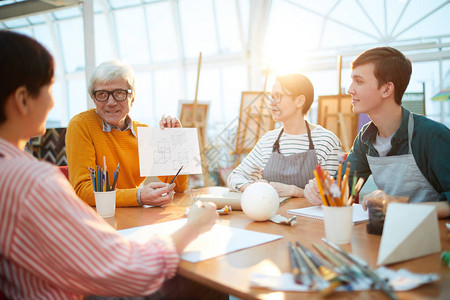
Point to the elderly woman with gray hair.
(108, 131)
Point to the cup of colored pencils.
(337, 199)
(104, 192)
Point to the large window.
(238, 40)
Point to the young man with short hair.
(407, 154)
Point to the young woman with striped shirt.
(52, 244)
(286, 157)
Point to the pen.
(176, 175)
(173, 179)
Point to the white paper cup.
(338, 223)
(105, 203)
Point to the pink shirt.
(54, 246)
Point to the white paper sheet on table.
(218, 241)
(163, 151)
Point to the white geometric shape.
(410, 231)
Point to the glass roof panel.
(349, 14)
(244, 8)
(162, 34)
(435, 24)
(336, 36)
(286, 28)
(228, 27)
(7, 2)
(131, 35)
(121, 3)
(197, 27)
(104, 47)
(98, 6)
(67, 13)
(16, 23)
(44, 36)
(72, 41)
(36, 19)
(321, 7)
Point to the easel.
(197, 119)
(336, 114)
(255, 119)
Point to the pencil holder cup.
(338, 223)
(105, 203)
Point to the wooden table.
(230, 273)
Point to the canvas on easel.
(336, 114)
(255, 119)
(201, 117)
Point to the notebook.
(316, 212)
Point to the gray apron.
(296, 169)
(400, 176)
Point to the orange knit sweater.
(86, 144)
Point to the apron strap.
(311, 145)
(410, 130)
(276, 145)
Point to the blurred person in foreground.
(407, 154)
(52, 244)
(286, 157)
(108, 131)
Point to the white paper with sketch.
(218, 241)
(163, 151)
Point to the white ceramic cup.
(338, 223)
(105, 203)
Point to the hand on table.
(157, 193)
(381, 199)
(169, 122)
(311, 192)
(246, 185)
(287, 190)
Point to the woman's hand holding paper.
(157, 193)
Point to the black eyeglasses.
(274, 98)
(118, 95)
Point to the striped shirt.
(54, 246)
(327, 145)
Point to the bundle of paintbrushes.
(337, 192)
(334, 268)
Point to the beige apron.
(296, 169)
(400, 176)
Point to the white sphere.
(260, 201)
